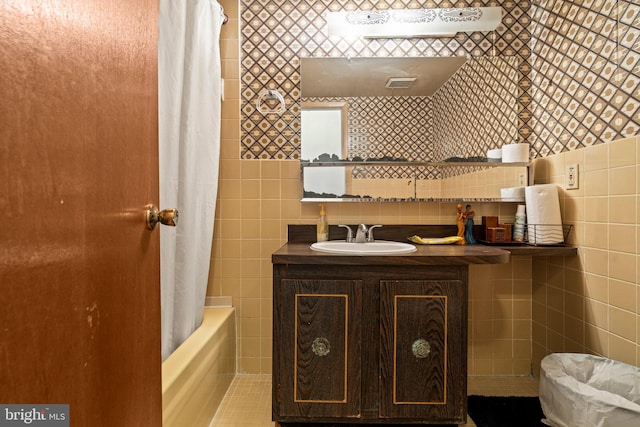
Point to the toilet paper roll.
(515, 153)
(544, 223)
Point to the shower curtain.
(189, 93)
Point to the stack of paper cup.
(515, 153)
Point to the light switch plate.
(571, 177)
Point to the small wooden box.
(489, 221)
(508, 231)
(496, 234)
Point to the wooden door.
(318, 353)
(79, 273)
(423, 357)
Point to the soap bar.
(496, 234)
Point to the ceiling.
(358, 77)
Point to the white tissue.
(515, 153)
(514, 194)
(495, 154)
(544, 223)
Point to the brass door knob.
(166, 217)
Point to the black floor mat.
(492, 411)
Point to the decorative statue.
(460, 222)
(468, 232)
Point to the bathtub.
(197, 374)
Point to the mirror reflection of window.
(323, 127)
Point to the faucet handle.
(349, 238)
(370, 236)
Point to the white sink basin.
(379, 247)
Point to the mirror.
(428, 141)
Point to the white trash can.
(581, 390)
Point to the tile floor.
(247, 403)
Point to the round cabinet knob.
(166, 217)
(321, 346)
(421, 348)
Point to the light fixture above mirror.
(409, 23)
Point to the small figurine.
(468, 232)
(460, 222)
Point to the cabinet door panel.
(420, 329)
(423, 359)
(320, 353)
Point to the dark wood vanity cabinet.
(367, 344)
(318, 348)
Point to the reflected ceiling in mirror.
(359, 77)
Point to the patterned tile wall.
(578, 82)
(585, 74)
(476, 110)
(276, 34)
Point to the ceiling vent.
(400, 82)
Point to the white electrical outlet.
(522, 179)
(571, 177)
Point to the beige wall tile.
(574, 329)
(574, 305)
(596, 183)
(596, 209)
(270, 170)
(270, 189)
(574, 281)
(596, 261)
(596, 313)
(622, 323)
(229, 229)
(596, 235)
(597, 287)
(622, 209)
(250, 208)
(623, 152)
(596, 157)
(622, 266)
(622, 238)
(521, 334)
(622, 350)
(596, 340)
(623, 181)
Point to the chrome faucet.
(370, 233)
(349, 238)
(361, 234)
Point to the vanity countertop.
(297, 250)
(301, 253)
